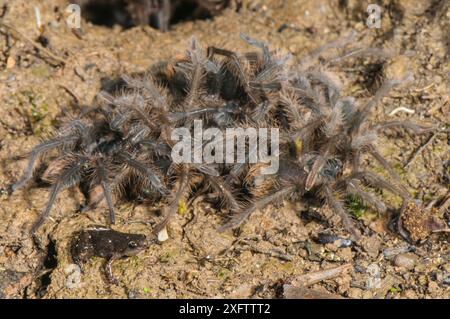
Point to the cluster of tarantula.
(157, 13)
(123, 145)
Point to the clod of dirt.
(407, 261)
(417, 223)
(12, 282)
(411, 8)
(203, 236)
(398, 68)
(372, 245)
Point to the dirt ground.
(39, 89)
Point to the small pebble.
(390, 253)
(10, 63)
(324, 238)
(163, 235)
(73, 280)
(446, 281)
(407, 261)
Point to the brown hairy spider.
(123, 145)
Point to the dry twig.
(420, 150)
(17, 34)
(315, 277)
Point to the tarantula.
(124, 144)
(114, 149)
(325, 136)
(120, 144)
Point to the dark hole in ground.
(188, 11)
(49, 264)
(129, 13)
(370, 77)
(373, 75)
(106, 13)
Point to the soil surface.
(41, 88)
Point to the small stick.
(38, 17)
(38, 46)
(271, 252)
(420, 150)
(72, 93)
(425, 88)
(445, 230)
(401, 109)
(318, 276)
(445, 205)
